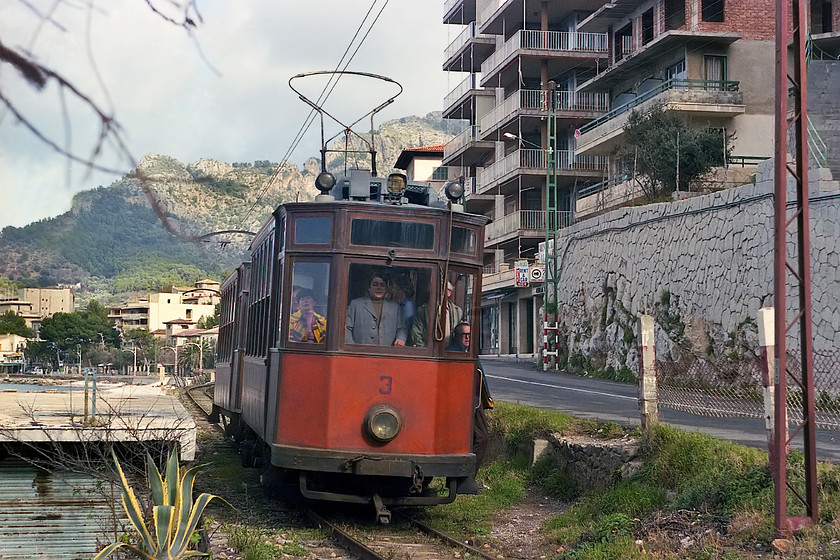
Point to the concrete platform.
(124, 413)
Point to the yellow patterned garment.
(298, 331)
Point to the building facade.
(182, 303)
(711, 61)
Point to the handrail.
(603, 185)
(745, 160)
(816, 145)
(673, 83)
(558, 41)
(462, 39)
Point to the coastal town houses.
(709, 60)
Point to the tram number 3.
(385, 384)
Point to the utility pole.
(794, 83)
(550, 329)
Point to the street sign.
(538, 273)
(523, 274)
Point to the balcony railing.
(558, 41)
(468, 83)
(537, 100)
(449, 4)
(470, 134)
(489, 10)
(535, 159)
(523, 221)
(603, 185)
(462, 39)
(682, 84)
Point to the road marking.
(591, 392)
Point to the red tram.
(332, 363)
(351, 417)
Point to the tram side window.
(383, 303)
(439, 324)
(309, 302)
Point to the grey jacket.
(360, 327)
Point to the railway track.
(405, 537)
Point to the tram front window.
(383, 303)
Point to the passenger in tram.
(305, 325)
(402, 293)
(420, 325)
(373, 319)
(461, 339)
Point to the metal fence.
(732, 388)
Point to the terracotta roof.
(188, 333)
(179, 322)
(409, 154)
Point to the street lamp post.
(132, 350)
(175, 350)
(200, 353)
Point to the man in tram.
(461, 339)
(373, 319)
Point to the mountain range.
(149, 229)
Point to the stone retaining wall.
(702, 266)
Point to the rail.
(528, 158)
(743, 161)
(470, 134)
(816, 145)
(524, 220)
(603, 185)
(465, 85)
(674, 83)
(557, 41)
(462, 39)
(537, 100)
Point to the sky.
(220, 92)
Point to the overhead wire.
(327, 90)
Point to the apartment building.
(710, 60)
(188, 304)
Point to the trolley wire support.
(550, 329)
(800, 271)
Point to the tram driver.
(374, 319)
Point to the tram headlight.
(383, 423)
(454, 190)
(324, 182)
(396, 183)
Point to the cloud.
(222, 93)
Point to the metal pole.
(801, 273)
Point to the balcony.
(457, 103)
(458, 11)
(468, 50)
(534, 102)
(702, 98)
(568, 48)
(534, 162)
(467, 149)
(522, 223)
(638, 57)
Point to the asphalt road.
(596, 399)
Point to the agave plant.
(175, 515)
